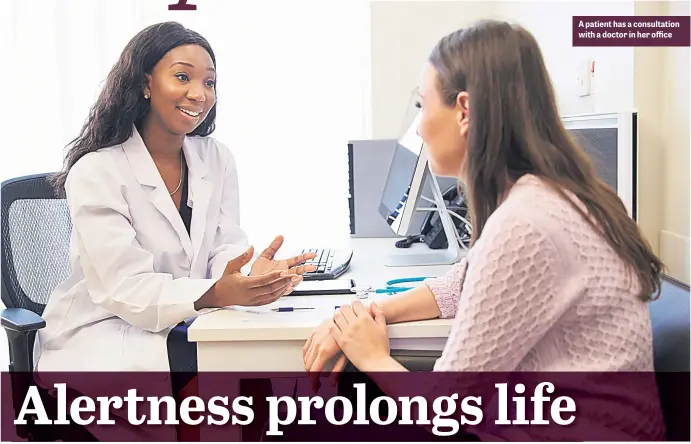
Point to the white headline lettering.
(285, 410)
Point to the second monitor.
(402, 191)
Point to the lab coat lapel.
(148, 176)
(199, 196)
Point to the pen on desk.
(283, 309)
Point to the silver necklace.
(182, 171)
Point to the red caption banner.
(631, 31)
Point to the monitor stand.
(425, 255)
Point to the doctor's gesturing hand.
(234, 288)
(266, 263)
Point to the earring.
(146, 96)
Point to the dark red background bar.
(608, 404)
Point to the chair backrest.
(35, 227)
(669, 317)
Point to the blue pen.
(284, 309)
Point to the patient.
(558, 275)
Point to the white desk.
(229, 340)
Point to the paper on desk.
(264, 313)
(319, 308)
(256, 310)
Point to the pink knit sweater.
(541, 291)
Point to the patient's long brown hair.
(516, 129)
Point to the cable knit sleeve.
(508, 299)
(447, 288)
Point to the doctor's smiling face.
(181, 88)
(165, 76)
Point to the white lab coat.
(136, 272)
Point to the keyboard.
(331, 263)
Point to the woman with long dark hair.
(558, 275)
(154, 204)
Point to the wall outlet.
(583, 78)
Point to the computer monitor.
(611, 140)
(406, 179)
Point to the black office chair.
(669, 316)
(35, 228)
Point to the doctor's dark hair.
(515, 129)
(121, 103)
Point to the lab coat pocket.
(137, 372)
(144, 350)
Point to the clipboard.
(325, 287)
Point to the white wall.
(674, 89)
(662, 98)
(403, 34)
(550, 23)
(648, 63)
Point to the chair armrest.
(21, 320)
(21, 326)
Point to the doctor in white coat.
(154, 205)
